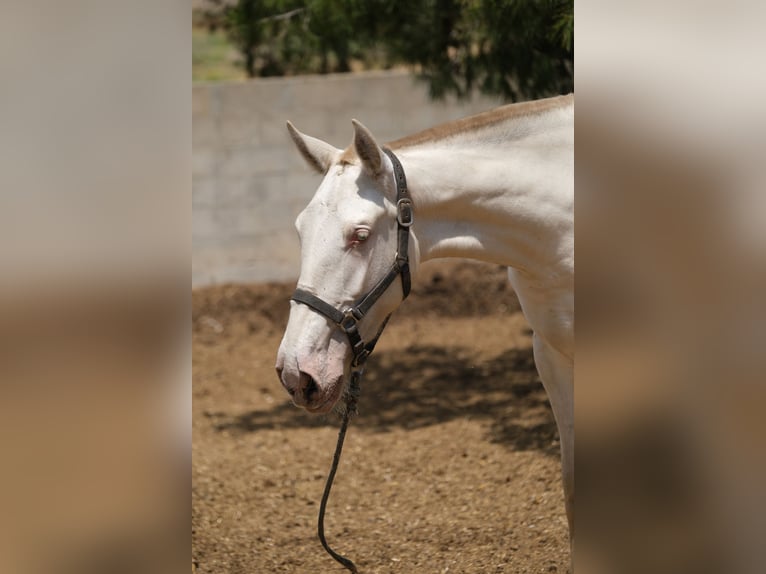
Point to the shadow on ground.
(428, 386)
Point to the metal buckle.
(349, 321)
(404, 212)
(360, 357)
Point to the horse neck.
(495, 198)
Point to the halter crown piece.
(347, 320)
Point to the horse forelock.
(349, 157)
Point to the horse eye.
(361, 235)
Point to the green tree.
(517, 49)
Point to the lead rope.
(351, 399)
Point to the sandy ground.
(451, 466)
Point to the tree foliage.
(517, 49)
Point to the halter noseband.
(348, 319)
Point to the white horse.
(497, 187)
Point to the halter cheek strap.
(348, 319)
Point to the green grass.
(214, 58)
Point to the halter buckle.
(404, 212)
(360, 356)
(349, 321)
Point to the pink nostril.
(308, 386)
(303, 389)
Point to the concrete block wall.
(249, 183)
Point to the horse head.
(349, 239)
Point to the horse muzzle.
(307, 392)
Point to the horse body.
(497, 187)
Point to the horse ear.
(318, 154)
(367, 149)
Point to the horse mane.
(483, 120)
(470, 124)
